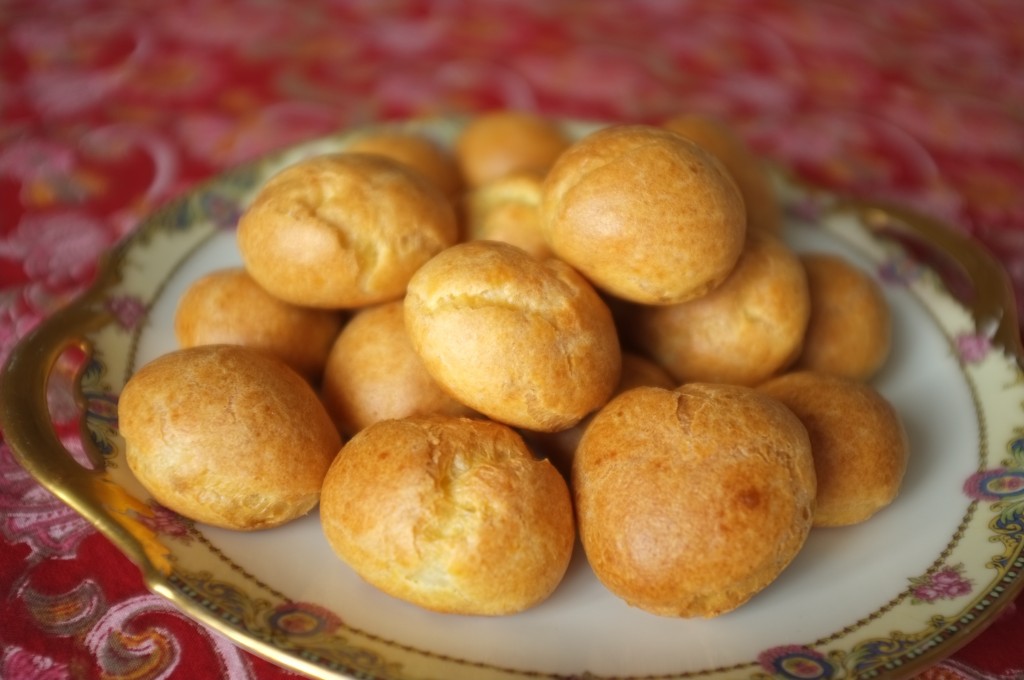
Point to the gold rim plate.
(882, 599)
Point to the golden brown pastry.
(499, 143)
(227, 435)
(849, 332)
(764, 212)
(691, 501)
(746, 330)
(451, 514)
(416, 151)
(373, 373)
(508, 210)
(859, 444)
(343, 230)
(228, 307)
(644, 213)
(525, 342)
(560, 447)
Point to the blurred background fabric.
(108, 108)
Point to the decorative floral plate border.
(980, 570)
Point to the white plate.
(879, 599)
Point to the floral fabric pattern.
(109, 108)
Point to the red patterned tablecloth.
(109, 108)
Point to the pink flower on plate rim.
(129, 310)
(945, 584)
(167, 522)
(973, 347)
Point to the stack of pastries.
(472, 354)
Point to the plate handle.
(30, 434)
(969, 271)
